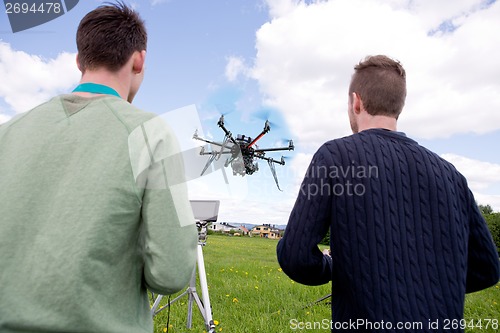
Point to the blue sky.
(294, 60)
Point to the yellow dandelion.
(280, 270)
(165, 329)
(220, 329)
(235, 300)
(216, 322)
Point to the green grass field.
(250, 293)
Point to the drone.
(242, 152)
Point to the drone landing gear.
(273, 171)
(210, 160)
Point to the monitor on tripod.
(205, 210)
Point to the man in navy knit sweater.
(407, 239)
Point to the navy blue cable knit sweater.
(407, 238)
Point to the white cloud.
(157, 2)
(488, 199)
(254, 211)
(305, 58)
(4, 118)
(235, 67)
(433, 14)
(481, 177)
(28, 80)
(298, 168)
(279, 8)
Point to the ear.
(139, 59)
(78, 63)
(357, 103)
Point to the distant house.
(275, 234)
(243, 230)
(266, 231)
(224, 227)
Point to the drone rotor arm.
(214, 153)
(261, 150)
(197, 137)
(271, 160)
(226, 132)
(259, 136)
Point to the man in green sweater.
(93, 207)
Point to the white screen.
(205, 210)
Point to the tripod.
(204, 307)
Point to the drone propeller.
(226, 110)
(284, 142)
(264, 115)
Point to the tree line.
(493, 221)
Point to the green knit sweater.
(93, 211)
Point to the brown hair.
(381, 84)
(108, 36)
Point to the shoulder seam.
(129, 131)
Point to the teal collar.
(95, 88)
